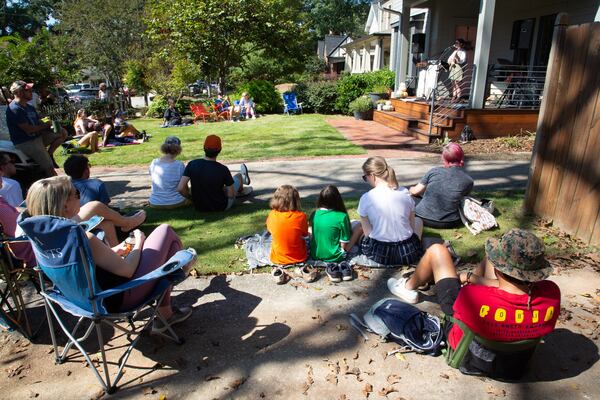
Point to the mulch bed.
(510, 144)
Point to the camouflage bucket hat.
(519, 254)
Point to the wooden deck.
(412, 117)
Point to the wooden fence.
(564, 178)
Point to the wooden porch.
(412, 118)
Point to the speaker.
(418, 43)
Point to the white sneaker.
(254, 117)
(398, 288)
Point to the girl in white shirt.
(457, 60)
(387, 215)
(166, 173)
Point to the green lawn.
(271, 136)
(213, 234)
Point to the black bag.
(466, 135)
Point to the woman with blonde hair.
(387, 215)
(58, 197)
(87, 129)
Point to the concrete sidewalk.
(130, 187)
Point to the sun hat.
(519, 254)
(173, 140)
(212, 142)
(20, 85)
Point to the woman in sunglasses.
(387, 215)
(115, 265)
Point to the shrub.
(318, 97)
(265, 96)
(353, 86)
(361, 104)
(159, 105)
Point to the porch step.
(423, 135)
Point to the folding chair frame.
(111, 320)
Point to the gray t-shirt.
(445, 188)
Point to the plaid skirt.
(405, 252)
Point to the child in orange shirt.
(288, 227)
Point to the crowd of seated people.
(511, 276)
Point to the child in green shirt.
(332, 233)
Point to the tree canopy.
(337, 16)
(217, 34)
(24, 18)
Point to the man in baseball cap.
(34, 138)
(212, 186)
(506, 298)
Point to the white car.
(76, 87)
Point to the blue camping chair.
(63, 254)
(290, 103)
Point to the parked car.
(84, 94)
(76, 87)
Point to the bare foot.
(134, 221)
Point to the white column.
(366, 61)
(348, 63)
(393, 48)
(597, 19)
(355, 61)
(482, 52)
(378, 59)
(403, 47)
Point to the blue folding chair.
(290, 103)
(64, 257)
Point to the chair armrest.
(174, 264)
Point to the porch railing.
(515, 86)
(450, 95)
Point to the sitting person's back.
(442, 189)
(288, 227)
(166, 173)
(78, 168)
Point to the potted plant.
(362, 108)
(379, 92)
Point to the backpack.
(402, 323)
(466, 135)
(477, 214)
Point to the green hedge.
(318, 97)
(265, 96)
(350, 87)
(159, 105)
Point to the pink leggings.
(162, 243)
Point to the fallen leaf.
(355, 357)
(162, 397)
(237, 383)
(353, 371)
(331, 378)
(386, 390)
(33, 395)
(445, 376)
(496, 391)
(305, 388)
(393, 379)
(150, 390)
(400, 357)
(211, 377)
(368, 388)
(343, 397)
(98, 395)
(341, 327)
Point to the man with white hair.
(34, 138)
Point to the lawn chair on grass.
(200, 112)
(290, 103)
(64, 256)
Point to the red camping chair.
(200, 111)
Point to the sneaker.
(398, 288)
(346, 270)
(254, 117)
(334, 272)
(179, 315)
(308, 273)
(279, 275)
(245, 175)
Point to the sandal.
(279, 275)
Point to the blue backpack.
(402, 323)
